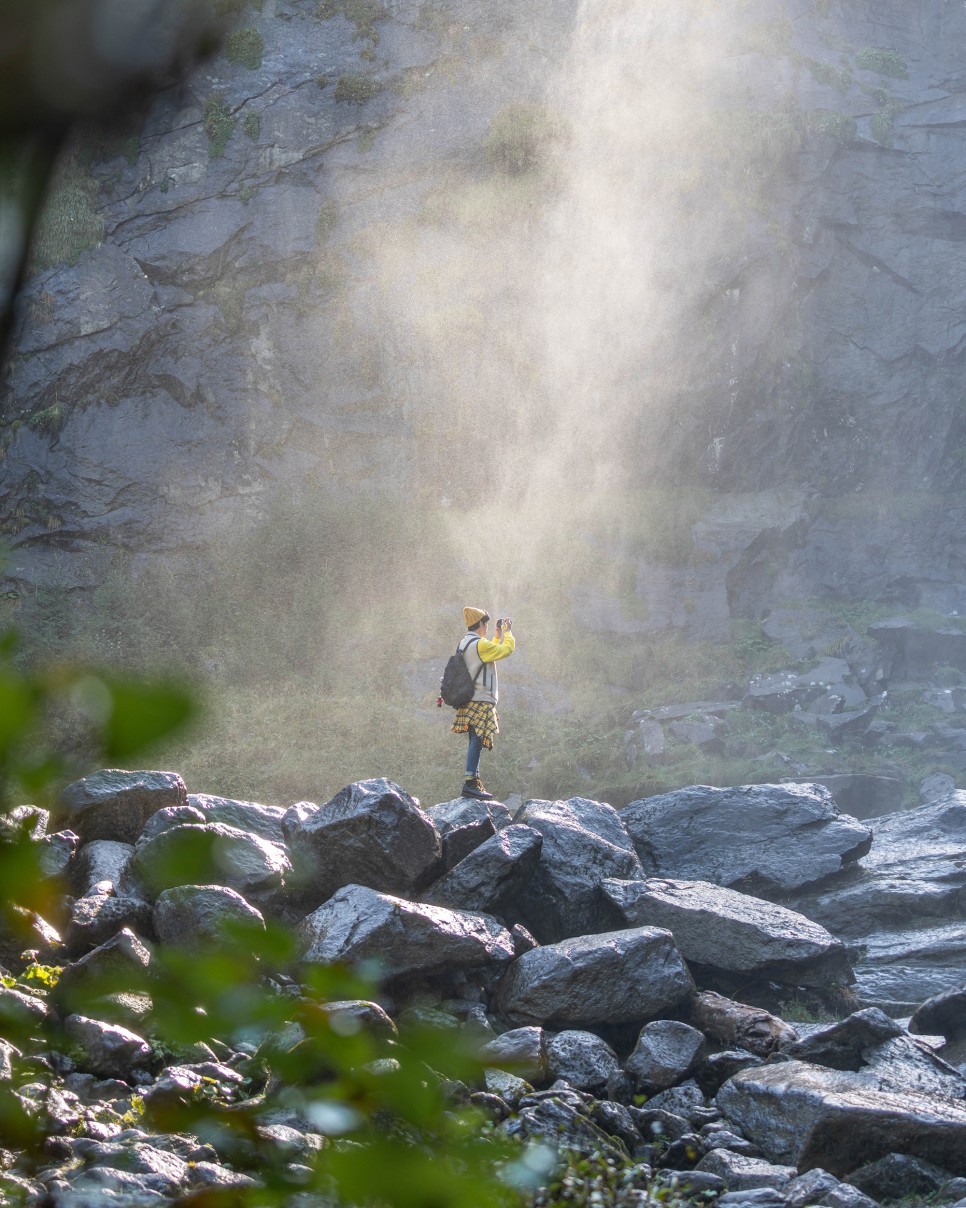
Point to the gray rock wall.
(301, 289)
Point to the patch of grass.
(366, 141)
(522, 137)
(252, 125)
(70, 223)
(245, 48)
(219, 124)
(355, 88)
(325, 220)
(363, 14)
(883, 61)
(433, 18)
(50, 420)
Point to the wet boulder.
(584, 841)
(840, 1046)
(898, 1176)
(942, 1015)
(808, 1116)
(262, 820)
(667, 1052)
(914, 867)
(170, 817)
(618, 977)
(464, 824)
(372, 833)
(491, 873)
(100, 860)
(98, 916)
(105, 1049)
(208, 855)
(582, 1059)
(767, 839)
(719, 930)
(358, 924)
(523, 1051)
(114, 804)
(742, 1173)
(119, 965)
(202, 916)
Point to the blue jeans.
(474, 749)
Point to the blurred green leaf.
(143, 714)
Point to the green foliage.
(395, 1138)
(252, 125)
(522, 137)
(363, 14)
(433, 17)
(325, 220)
(219, 124)
(49, 420)
(245, 48)
(831, 124)
(355, 88)
(840, 78)
(69, 223)
(882, 61)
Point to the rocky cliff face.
(725, 246)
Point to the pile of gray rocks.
(616, 969)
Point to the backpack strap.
(461, 649)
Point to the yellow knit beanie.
(472, 616)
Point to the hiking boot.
(476, 789)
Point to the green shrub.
(219, 124)
(882, 61)
(252, 126)
(363, 14)
(354, 88)
(829, 74)
(831, 124)
(522, 137)
(69, 223)
(245, 47)
(325, 220)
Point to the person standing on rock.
(478, 719)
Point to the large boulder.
(263, 820)
(404, 938)
(521, 1050)
(98, 861)
(463, 824)
(582, 1059)
(114, 804)
(208, 855)
(667, 1052)
(900, 969)
(106, 1049)
(914, 867)
(202, 916)
(98, 916)
(942, 1015)
(493, 872)
(619, 977)
(121, 964)
(371, 833)
(584, 841)
(719, 930)
(808, 1116)
(767, 839)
